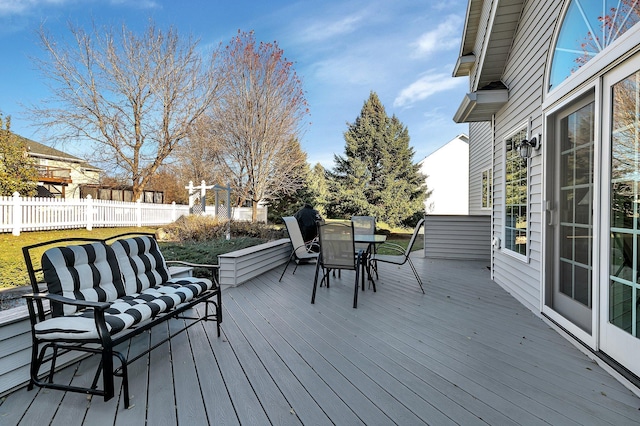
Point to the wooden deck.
(464, 353)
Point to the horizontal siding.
(524, 76)
(240, 266)
(479, 161)
(457, 237)
(15, 350)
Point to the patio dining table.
(372, 240)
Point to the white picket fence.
(19, 214)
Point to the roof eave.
(464, 65)
(481, 105)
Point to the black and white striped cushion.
(141, 263)
(82, 272)
(126, 311)
(131, 274)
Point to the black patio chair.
(402, 255)
(365, 225)
(303, 252)
(337, 250)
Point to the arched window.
(588, 27)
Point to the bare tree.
(196, 159)
(134, 97)
(258, 120)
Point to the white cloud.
(426, 86)
(444, 37)
(327, 29)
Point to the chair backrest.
(82, 272)
(295, 235)
(414, 237)
(337, 249)
(363, 225)
(141, 262)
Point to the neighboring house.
(60, 175)
(565, 229)
(447, 171)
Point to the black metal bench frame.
(106, 343)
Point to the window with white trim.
(516, 195)
(588, 27)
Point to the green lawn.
(13, 270)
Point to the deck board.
(340, 334)
(161, 401)
(247, 344)
(188, 394)
(297, 355)
(77, 403)
(437, 359)
(464, 353)
(216, 398)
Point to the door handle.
(549, 210)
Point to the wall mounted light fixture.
(526, 147)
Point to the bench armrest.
(67, 301)
(213, 269)
(98, 311)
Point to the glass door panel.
(573, 282)
(625, 175)
(620, 296)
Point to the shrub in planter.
(206, 228)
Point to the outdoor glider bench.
(100, 294)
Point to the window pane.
(516, 196)
(588, 27)
(620, 305)
(582, 286)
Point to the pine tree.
(17, 170)
(403, 189)
(319, 189)
(376, 175)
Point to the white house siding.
(479, 161)
(457, 237)
(524, 76)
(447, 171)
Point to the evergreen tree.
(319, 189)
(17, 170)
(403, 189)
(376, 175)
(314, 191)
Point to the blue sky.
(404, 50)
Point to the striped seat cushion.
(82, 272)
(125, 311)
(141, 263)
